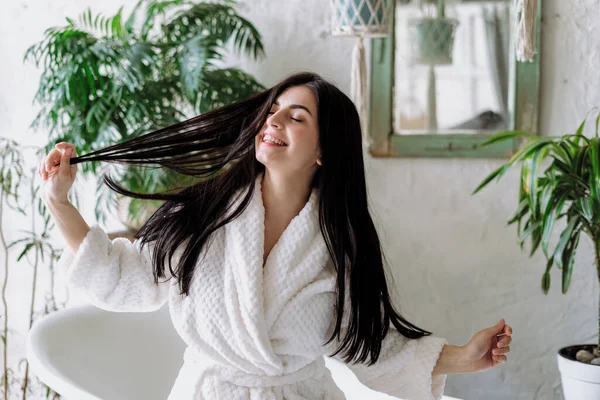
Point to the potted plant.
(108, 79)
(361, 17)
(433, 34)
(567, 189)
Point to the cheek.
(306, 142)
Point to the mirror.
(447, 78)
(452, 71)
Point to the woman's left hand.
(486, 349)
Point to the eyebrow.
(296, 106)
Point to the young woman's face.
(289, 140)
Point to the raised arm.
(115, 275)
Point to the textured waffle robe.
(252, 331)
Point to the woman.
(273, 259)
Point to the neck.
(283, 197)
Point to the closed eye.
(297, 120)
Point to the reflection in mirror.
(453, 68)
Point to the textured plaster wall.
(456, 265)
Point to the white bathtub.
(85, 353)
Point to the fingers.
(65, 164)
(500, 359)
(51, 163)
(503, 347)
(52, 160)
(502, 351)
(64, 145)
(42, 169)
(505, 341)
(73, 167)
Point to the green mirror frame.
(385, 143)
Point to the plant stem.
(35, 273)
(5, 331)
(597, 261)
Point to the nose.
(273, 120)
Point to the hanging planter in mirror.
(361, 19)
(433, 36)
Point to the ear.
(319, 161)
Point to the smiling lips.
(268, 138)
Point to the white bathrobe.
(252, 332)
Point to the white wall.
(456, 264)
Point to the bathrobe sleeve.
(115, 275)
(404, 368)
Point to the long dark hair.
(218, 147)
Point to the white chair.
(85, 353)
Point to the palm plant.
(108, 79)
(567, 189)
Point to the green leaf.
(595, 173)
(225, 86)
(536, 238)
(569, 261)
(547, 191)
(536, 160)
(129, 24)
(585, 208)
(579, 131)
(570, 150)
(546, 276)
(549, 217)
(582, 157)
(25, 250)
(507, 135)
(497, 173)
(565, 237)
(192, 61)
(14, 243)
(521, 210)
(529, 148)
(530, 227)
(561, 166)
(116, 26)
(526, 167)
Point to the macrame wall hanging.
(526, 29)
(361, 19)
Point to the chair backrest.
(107, 355)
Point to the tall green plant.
(567, 189)
(107, 79)
(32, 245)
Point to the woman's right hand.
(58, 179)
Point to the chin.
(263, 160)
